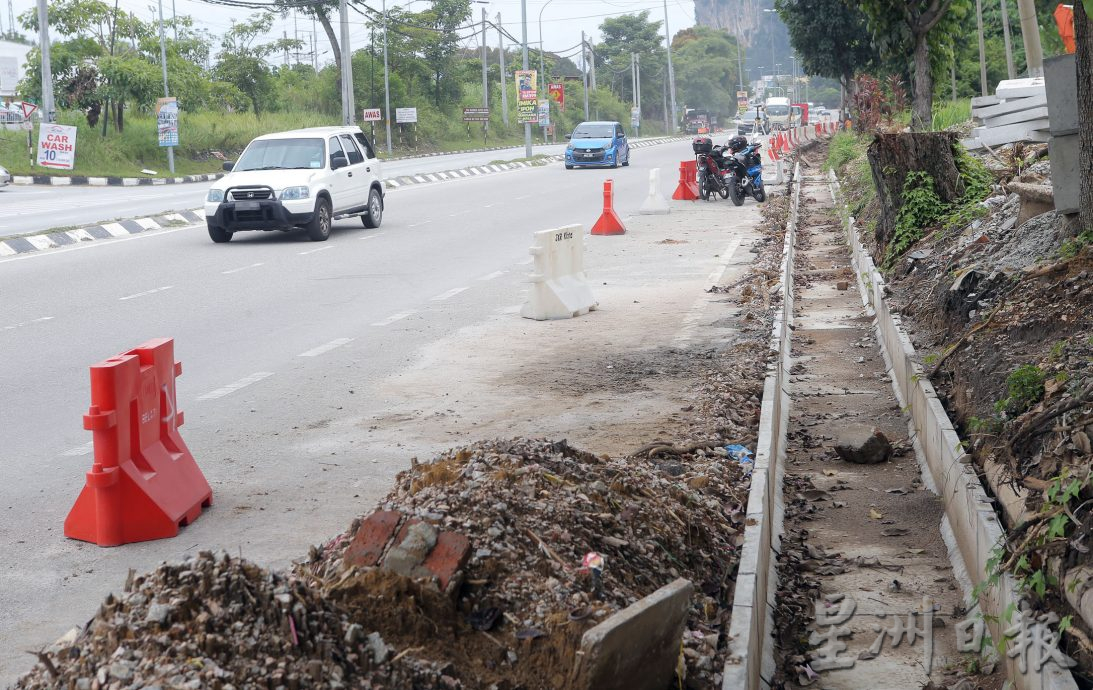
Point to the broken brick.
(372, 537)
(447, 557)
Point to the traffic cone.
(609, 222)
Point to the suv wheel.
(319, 227)
(374, 215)
(218, 234)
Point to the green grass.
(952, 113)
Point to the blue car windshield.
(282, 154)
(594, 132)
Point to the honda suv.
(305, 178)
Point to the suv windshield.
(777, 110)
(587, 131)
(282, 154)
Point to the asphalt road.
(33, 208)
(278, 336)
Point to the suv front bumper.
(262, 214)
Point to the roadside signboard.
(476, 114)
(557, 92)
(635, 116)
(28, 109)
(371, 115)
(742, 100)
(57, 146)
(527, 112)
(405, 116)
(167, 121)
(544, 112)
(527, 85)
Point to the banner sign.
(476, 114)
(544, 112)
(742, 100)
(57, 146)
(527, 85)
(635, 116)
(167, 120)
(371, 115)
(527, 112)
(557, 92)
(405, 116)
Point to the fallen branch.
(1035, 425)
(961, 340)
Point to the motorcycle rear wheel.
(759, 193)
(703, 188)
(735, 192)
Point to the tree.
(902, 26)
(631, 33)
(706, 69)
(242, 60)
(1083, 38)
(831, 37)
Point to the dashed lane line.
(395, 317)
(491, 276)
(320, 249)
(326, 347)
(40, 319)
(242, 268)
(447, 295)
(146, 293)
(235, 386)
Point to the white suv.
(305, 178)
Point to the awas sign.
(57, 146)
(371, 115)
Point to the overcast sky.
(562, 20)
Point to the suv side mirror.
(338, 160)
(228, 165)
(569, 136)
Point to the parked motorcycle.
(711, 168)
(744, 171)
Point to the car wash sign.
(57, 146)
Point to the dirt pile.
(223, 623)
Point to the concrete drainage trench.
(868, 596)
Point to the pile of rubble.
(223, 623)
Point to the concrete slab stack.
(1018, 111)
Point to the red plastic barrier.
(609, 222)
(144, 483)
(687, 190)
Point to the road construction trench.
(874, 540)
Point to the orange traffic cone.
(609, 222)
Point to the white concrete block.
(1020, 88)
(1015, 117)
(1011, 106)
(560, 289)
(655, 204)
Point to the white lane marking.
(447, 295)
(40, 319)
(527, 261)
(241, 268)
(495, 274)
(327, 347)
(395, 317)
(424, 222)
(146, 293)
(320, 249)
(461, 213)
(79, 450)
(726, 257)
(372, 237)
(233, 387)
(526, 196)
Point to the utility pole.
(584, 73)
(284, 36)
(386, 81)
(504, 77)
(314, 47)
(982, 47)
(47, 70)
(485, 76)
(166, 91)
(174, 20)
(664, 93)
(1030, 33)
(348, 114)
(592, 54)
(524, 23)
(671, 72)
(1010, 70)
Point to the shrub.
(922, 207)
(1024, 387)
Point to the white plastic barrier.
(559, 288)
(655, 204)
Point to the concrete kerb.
(750, 663)
(972, 518)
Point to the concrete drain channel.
(893, 526)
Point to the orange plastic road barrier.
(1064, 19)
(687, 190)
(144, 483)
(609, 222)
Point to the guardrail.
(751, 647)
(971, 516)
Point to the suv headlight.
(294, 193)
(215, 195)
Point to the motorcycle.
(710, 176)
(745, 171)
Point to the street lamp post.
(386, 81)
(671, 72)
(542, 68)
(524, 36)
(166, 92)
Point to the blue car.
(597, 144)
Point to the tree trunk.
(1083, 38)
(333, 38)
(922, 103)
(892, 156)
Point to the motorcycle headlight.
(295, 193)
(215, 195)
